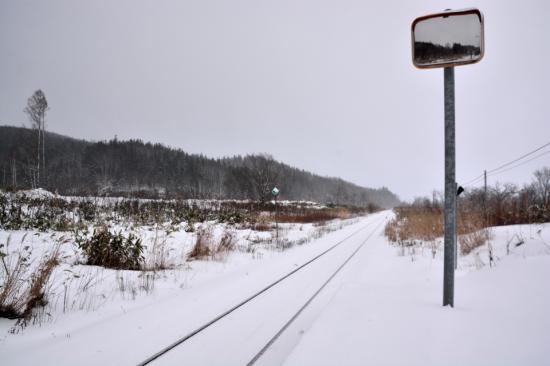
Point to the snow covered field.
(387, 310)
(94, 313)
(383, 308)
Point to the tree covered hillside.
(136, 168)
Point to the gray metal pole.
(456, 229)
(450, 188)
(485, 197)
(276, 221)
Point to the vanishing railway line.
(174, 347)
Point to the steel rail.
(306, 304)
(245, 301)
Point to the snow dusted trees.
(36, 108)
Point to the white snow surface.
(109, 319)
(387, 310)
(383, 308)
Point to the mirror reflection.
(447, 40)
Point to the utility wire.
(496, 170)
(474, 180)
(518, 159)
(505, 170)
(522, 163)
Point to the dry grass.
(23, 285)
(39, 279)
(263, 223)
(206, 247)
(314, 216)
(12, 279)
(472, 231)
(159, 255)
(203, 243)
(79, 290)
(413, 224)
(227, 242)
(475, 239)
(318, 217)
(225, 245)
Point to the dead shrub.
(227, 244)
(262, 224)
(158, 258)
(24, 286)
(475, 239)
(203, 243)
(206, 247)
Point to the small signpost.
(448, 39)
(275, 194)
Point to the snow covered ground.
(96, 315)
(383, 308)
(387, 310)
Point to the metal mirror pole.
(450, 188)
(276, 222)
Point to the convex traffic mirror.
(448, 39)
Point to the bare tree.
(264, 172)
(500, 197)
(36, 108)
(542, 186)
(14, 173)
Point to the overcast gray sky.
(327, 86)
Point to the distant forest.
(137, 169)
(426, 52)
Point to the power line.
(474, 180)
(518, 159)
(510, 168)
(496, 170)
(522, 163)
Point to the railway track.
(322, 265)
